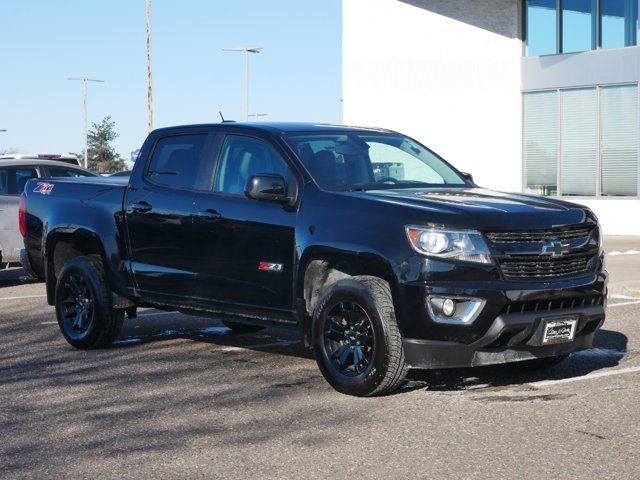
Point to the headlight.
(464, 245)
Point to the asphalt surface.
(182, 396)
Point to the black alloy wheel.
(349, 341)
(77, 306)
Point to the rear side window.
(13, 179)
(177, 161)
(66, 172)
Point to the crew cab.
(384, 256)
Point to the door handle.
(209, 215)
(141, 207)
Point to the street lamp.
(247, 51)
(258, 115)
(86, 125)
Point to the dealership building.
(537, 96)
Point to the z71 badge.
(43, 188)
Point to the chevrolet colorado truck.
(383, 255)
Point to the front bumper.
(510, 338)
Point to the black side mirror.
(468, 177)
(270, 188)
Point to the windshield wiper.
(362, 187)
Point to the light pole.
(149, 83)
(86, 125)
(258, 115)
(247, 51)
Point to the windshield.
(367, 161)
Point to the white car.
(71, 159)
(14, 174)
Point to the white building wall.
(444, 72)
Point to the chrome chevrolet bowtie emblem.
(555, 248)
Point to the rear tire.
(356, 340)
(241, 327)
(541, 363)
(83, 304)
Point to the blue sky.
(296, 77)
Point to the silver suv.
(14, 174)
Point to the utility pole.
(149, 82)
(86, 124)
(247, 51)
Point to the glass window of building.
(618, 23)
(541, 27)
(541, 142)
(619, 140)
(578, 32)
(579, 142)
(567, 26)
(586, 137)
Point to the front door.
(245, 247)
(159, 207)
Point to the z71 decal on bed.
(44, 188)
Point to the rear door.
(158, 208)
(245, 247)
(12, 182)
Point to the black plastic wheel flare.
(77, 305)
(349, 339)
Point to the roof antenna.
(222, 117)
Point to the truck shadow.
(10, 277)
(608, 349)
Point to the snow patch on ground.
(599, 353)
(616, 253)
(215, 330)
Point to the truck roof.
(280, 128)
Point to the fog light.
(449, 307)
(454, 310)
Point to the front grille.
(553, 305)
(539, 236)
(522, 267)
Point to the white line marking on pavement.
(154, 314)
(262, 345)
(25, 296)
(624, 297)
(615, 253)
(622, 304)
(589, 376)
(48, 323)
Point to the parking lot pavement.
(181, 396)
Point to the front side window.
(352, 161)
(178, 161)
(242, 157)
(13, 179)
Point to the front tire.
(356, 340)
(83, 304)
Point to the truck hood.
(483, 209)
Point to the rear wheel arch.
(60, 247)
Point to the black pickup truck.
(383, 255)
